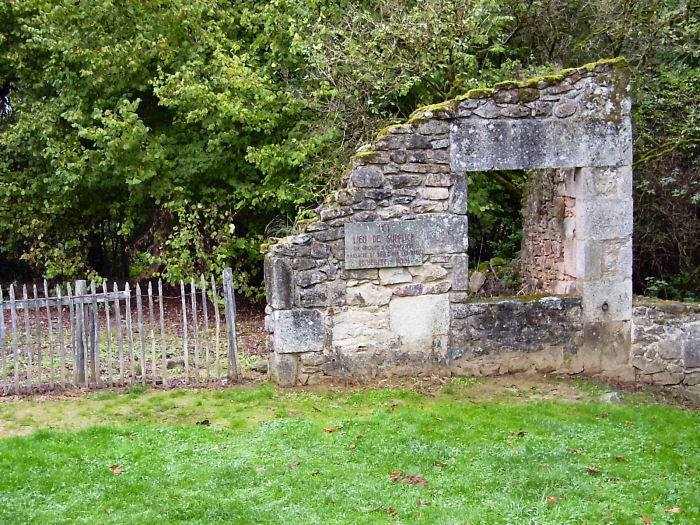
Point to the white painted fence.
(85, 335)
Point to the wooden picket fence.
(85, 336)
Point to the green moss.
(439, 109)
(367, 156)
(508, 84)
(528, 94)
(305, 223)
(476, 93)
(386, 131)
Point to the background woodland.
(153, 137)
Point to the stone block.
(441, 287)
(692, 379)
(458, 199)
(443, 233)
(404, 181)
(367, 177)
(378, 194)
(691, 351)
(309, 278)
(606, 345)
(440, 143)
(669, 349)
(409, 290)
(648, 366)
(564, 108)
(329, 293)
(368, 294)
(602, 219)
(489, 110)
(433, 193)
(515, 111)
(411, 141)
(606, 300)
(329, 214)
(611, 182)
(392, 212)
(428, 272)
(426, 206)
(438, 179)
(667, 378)
(418, 321)
(284, 369)
(460, 272)
(480, 145)
(299, 330)
(313, 358)
(361, 328)
(433, 127)
(279, 285)
(389, 276)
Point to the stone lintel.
(511, 144)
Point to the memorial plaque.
(383, 244)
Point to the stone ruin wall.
(666, 343)
(549, 224)
(377, 284)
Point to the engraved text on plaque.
(383, 244)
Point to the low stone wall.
(666, 343)
(509, 335)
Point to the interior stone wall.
(549, 226)
(377, 283)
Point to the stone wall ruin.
(377, 284)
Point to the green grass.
(488, 456)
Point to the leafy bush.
(134, 134)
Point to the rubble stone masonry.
(377, 283)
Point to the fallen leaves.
(295, 464)
(203, 422)
(414, 480)
(330, 429)
(646, 519)
(410, 479)
(115, 469)
(426, 503)
(389, 510)
(575, 450)
(592, 470)
(260, 469)
(550, 499)
(674, 510)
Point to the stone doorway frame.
(573, 129)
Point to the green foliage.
(134, 134)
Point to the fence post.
(80, 350)
(230, 306)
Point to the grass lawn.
(508, 450)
